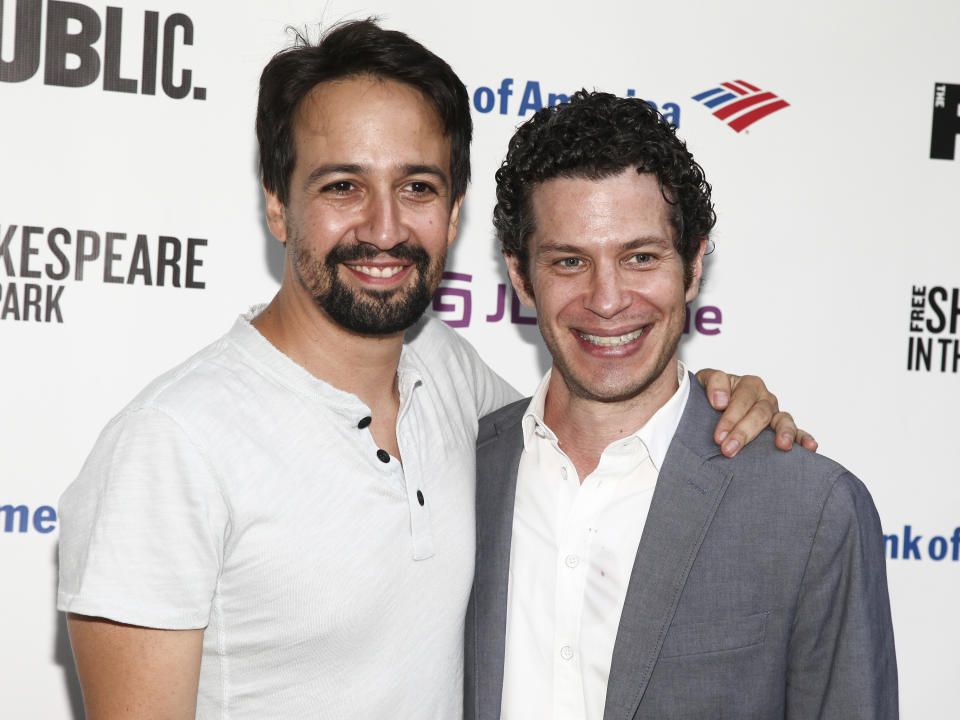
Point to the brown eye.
(419, 187)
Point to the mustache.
(361, 251)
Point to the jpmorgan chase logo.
(80, 46)
(459, 305)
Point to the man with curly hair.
(625, 567)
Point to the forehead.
(365, 117)
(622, 207)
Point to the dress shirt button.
(563, 473)
(566, 652)
(364, 422)
(571, 561)
(383, 455)
(420, 498)
(540, 431)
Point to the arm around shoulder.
(135, 673)
(842, 663)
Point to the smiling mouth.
(612, 340)
(378, 271)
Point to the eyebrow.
(636, 244)
(323, 171)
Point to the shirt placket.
(606, 483)
(572, 518)
(410, 474)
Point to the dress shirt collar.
(655, 435)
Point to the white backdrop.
(834, 224)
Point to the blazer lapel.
(497, 461)
(684, 502)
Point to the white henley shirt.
(240, 494)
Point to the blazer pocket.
(719, 636)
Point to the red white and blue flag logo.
(740, 104)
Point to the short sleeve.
(142, 528)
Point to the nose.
(607, 293)
(382, 223)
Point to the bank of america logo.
(740, 104)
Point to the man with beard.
(283, 526)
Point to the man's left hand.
(748, 408)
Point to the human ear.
(697, 267)
(276, 215)
(519, 280)
(454, 225)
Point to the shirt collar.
(410, 373)
(533, 416)
(409, 369)
(656, 434)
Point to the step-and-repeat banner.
(132, 233)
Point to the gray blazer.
(759, 588)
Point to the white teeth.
(377, 271)
(612, 341)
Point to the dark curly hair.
(596, 135)
(359, 47)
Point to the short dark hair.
(355, 48)
(596, 135)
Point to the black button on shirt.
(364, 422)
(383, 455)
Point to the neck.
(585, 427)
(364, 365)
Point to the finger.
(785, 429)
(747, 392)
(750, 424)
(718, 385)
(807, 440)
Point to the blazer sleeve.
(842, 663)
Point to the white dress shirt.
(571, 558)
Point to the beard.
(369, 312)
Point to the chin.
(609, 391)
